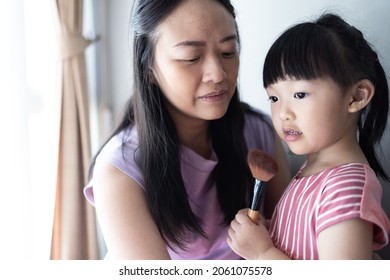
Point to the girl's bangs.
(303, 52)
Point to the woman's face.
(196, 60)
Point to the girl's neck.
(336, 155)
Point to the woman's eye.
(191, 60)
(229, 54)
(273, 99)
(300, 95)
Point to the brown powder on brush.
(262, 165)
(263, 168)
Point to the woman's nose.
(214, 71)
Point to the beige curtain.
(74, 228)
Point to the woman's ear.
(152, 78)
(361, 95)
(152, 75)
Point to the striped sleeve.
(341, 197)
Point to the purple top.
(200, 185)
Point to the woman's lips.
(214, 96)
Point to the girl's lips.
(291, 135)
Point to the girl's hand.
(247, 239)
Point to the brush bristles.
(262, 165)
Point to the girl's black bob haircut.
(308, 51)
(331, 48)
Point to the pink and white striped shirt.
(314, 203)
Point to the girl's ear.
(361, 95)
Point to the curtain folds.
(74, 228)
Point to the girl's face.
(311, 115)
(196, 60)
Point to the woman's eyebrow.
(203, 43)
(228, 38)
(190, 43)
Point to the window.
(29, 117)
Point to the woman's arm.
(124, 218)
(276, 186)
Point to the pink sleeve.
(356, 195)
(372, 211)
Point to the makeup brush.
(263, 168)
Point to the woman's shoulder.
(120, 151)
(120, 147)
(253, 113)
(258, 129)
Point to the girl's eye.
(300, 95)
(273, 99)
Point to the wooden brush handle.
(253, 215)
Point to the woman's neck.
(195, 135)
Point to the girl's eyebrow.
(203, 43)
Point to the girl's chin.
(297, 151)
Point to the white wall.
(260, 23)
(114, 19)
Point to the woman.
(174, 173)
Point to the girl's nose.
(214, 71)
(285, 113)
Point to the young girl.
(329, 100)
(174, 174)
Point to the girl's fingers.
(243, 211)
(229, 241)
(231, 231)
(242, 218)
(234, 224)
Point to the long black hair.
(331, 47)
(158, 152)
